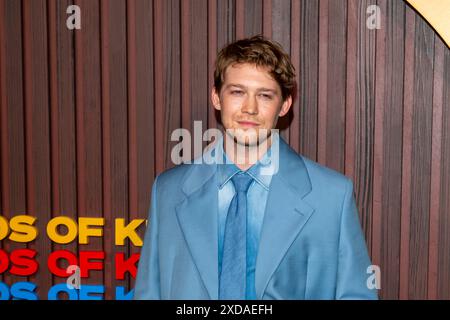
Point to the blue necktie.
(234, 264)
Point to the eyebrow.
(244, 87)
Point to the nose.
(250, 105)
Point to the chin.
(251, 139)
(252, 142)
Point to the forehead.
(248, 74)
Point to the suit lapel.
(197, 217)
(285, 216)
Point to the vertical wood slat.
(226, 32)
(132, 109)
(267, 18)
(227, 22)
(145, 104)
(444, 217)
(364, 119)
(309, 79)
(406, 152)
(186, 121)
(280, 12)
(106, 133)
(141, 32)
(80, 136)
(253, 17)
(392, 147)
(28, 110)
(54, 122)
(159, 84)
(378, 138)
(54, 115)
(198, 55)
(5, 128)
(436, 153)
(146, 107)
(4, 192)
(37, 135)
(12, 114)
(335, 142)
(30, 188)
(174, 83)
(421, 159)
(171, 110)
(64, 173)
(133, 165)
(322, 82)
(350, 94)
(240, 20)
(212, 52)
(295, 31)
(115, 131)
(89, 123)
(120, 146)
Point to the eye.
(266, 96)
(237, 92)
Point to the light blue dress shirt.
(256, 204)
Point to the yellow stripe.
(437, 13)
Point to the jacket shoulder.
(325, 178)
(172, 177)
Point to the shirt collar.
(228, 169)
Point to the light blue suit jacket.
(311, 244)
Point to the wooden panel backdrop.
(86, 116)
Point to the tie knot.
(241, 182)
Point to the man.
(265, 223)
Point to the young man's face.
(250, 100)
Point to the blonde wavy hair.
(262, 52)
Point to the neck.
(244, 156)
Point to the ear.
(285, 106)
(215, 98)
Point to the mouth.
(248, 124)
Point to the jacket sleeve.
(147, 285)
(353, 279)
